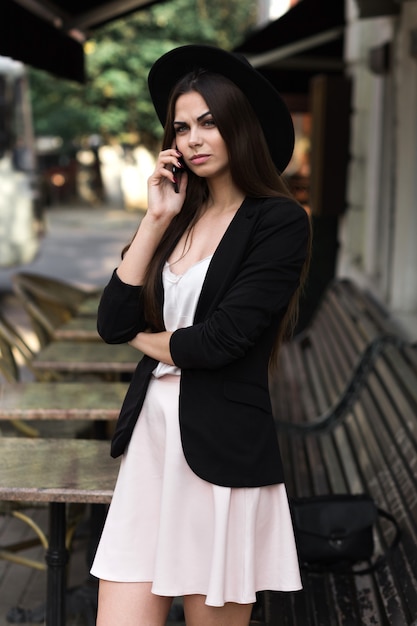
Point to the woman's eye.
(209, 122)
(180, 128)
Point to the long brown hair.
(251, 167)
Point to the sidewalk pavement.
(81, 244)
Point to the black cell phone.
(177, 173)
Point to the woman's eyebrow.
(202, 116)
(199, 118)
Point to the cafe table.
(78, 328)
(89, 306)
(56, 472)
(85, 357)
(78, 400)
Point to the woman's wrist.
(154, 221)
(135, 261)
(155, 345)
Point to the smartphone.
(177, 173)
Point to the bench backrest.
(319, 365)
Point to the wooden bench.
(345, 401)
(319, 366)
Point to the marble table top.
(89, 306)
(86, 356)
(78, 328)
(56, 470)
(61, 400)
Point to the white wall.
(404, 261)
(378, 233)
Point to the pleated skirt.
(167, 526)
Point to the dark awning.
(305, 41)
(48, 34)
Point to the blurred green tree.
(114, 102)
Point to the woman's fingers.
(167, 160)
(166, 189)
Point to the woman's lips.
(199, 159)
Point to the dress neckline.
(194, 265)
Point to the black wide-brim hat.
(267, 103)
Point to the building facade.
(378, 231)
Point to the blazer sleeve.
(120, 313)
(261, 290)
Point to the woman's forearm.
(155, 345)
(163, 205)
(132, 268)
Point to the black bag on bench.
(334, 532)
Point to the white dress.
(168, 526)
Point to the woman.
(206, 290)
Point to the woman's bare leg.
(131, 604)
(197, 613)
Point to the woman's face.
(197, 137)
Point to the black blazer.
(227, 428)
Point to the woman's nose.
(194, 138)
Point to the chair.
(15, 349)
(11, 341)
(49, 302)
(61, 291)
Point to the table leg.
(56, 558)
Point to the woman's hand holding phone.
(177, 171)
(169, 172)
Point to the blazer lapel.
(226, 259)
